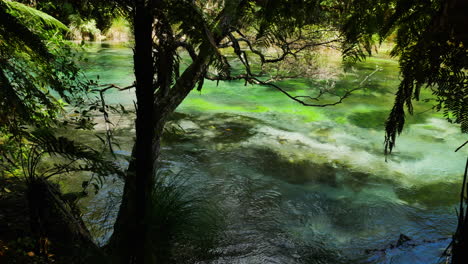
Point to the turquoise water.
(308, 185)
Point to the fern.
(34, 61)
(75, 157)
(33, 15)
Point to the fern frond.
(71, 150)
(35, 16)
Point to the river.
(303, 184)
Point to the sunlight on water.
(309, 185)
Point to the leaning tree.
(163, 29)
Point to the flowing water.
(303, 184)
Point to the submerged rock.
(402, 240)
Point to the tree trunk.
(128, 242)
(460, 238)
(121, 240)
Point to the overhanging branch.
(297, 98)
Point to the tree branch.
(255, 80)
(460, 147)
(104, 111)
(189, 48)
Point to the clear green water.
(308, 185)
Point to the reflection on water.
(306, 185)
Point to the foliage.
(68, 156)
(33, 17)
(431, 43)
(86, 19)
(119, 30)
(83, 29)
(102, 11)
(37, 77)
(35, 62)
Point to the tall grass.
(184, 225)
(82, 29)
(119, 30)
(86, 29)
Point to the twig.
(107, 122)
(113, 86)
(104, 111)
(296, 98)
(460, 147)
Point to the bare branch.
(460, 147)
(298, 98)
(292, 47)
(113, 86)
(104, 111)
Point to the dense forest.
(240, 131)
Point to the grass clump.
(184, 226)
(119, 30)
(83, 29)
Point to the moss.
(341, 120)
(205, 105)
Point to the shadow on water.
(282, 210)
(217, 128)
(377, 119)
(431, 195)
